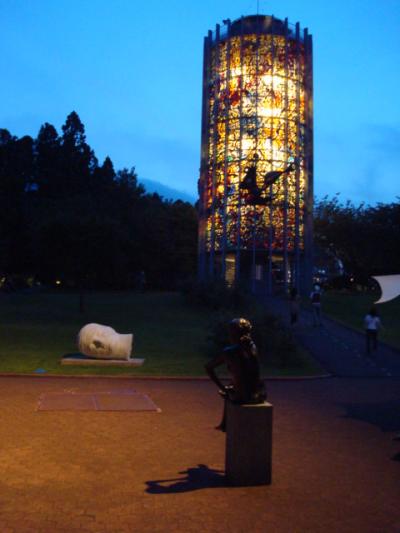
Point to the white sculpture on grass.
(103, 342)
(390, 286)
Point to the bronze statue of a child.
(241, 359)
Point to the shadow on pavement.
(385, 415)
(199, 477)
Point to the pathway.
(339, 349)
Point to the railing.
(256, 24)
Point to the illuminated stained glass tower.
(256, 176)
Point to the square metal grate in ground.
(119, 400)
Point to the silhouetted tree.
(77, 158)
(104, 175)
(16, 175)
(64, 216)
(48, 168)
(365, 238)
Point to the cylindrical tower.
(256, 176)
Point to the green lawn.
(37, 329)
(350, 308)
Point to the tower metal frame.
(257, 119)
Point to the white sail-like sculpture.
(390, 287)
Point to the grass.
(305, 366)
(350, 308)
(37, 329)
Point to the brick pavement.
(100, 471)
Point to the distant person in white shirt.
(372, 323)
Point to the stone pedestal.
(83, 360)
(248, 456)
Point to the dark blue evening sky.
(133, 72)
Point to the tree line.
(65, 217)
(365, 238)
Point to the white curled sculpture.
(103, 342)
(390, 287)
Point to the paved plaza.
(335, 465)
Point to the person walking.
(372, 323)
(294, 306)
(315, 298)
